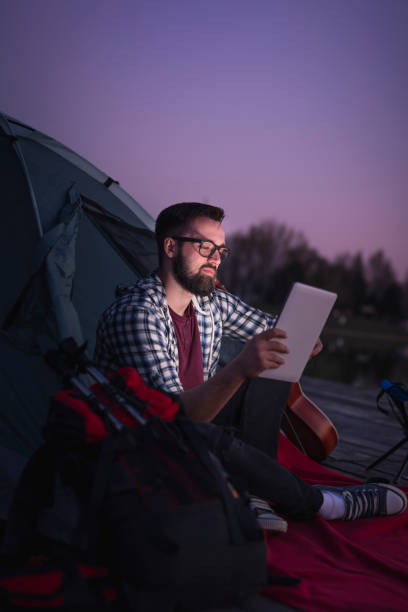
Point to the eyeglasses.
(206, 248)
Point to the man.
(169, 327)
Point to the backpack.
(126, 484)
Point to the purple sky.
(294, 110)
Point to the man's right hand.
(263, 352)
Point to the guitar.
(307, 427)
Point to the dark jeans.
(256, 411)
(245, 437)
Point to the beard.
(198, 284)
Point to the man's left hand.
(317, 348)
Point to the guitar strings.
(302, 448)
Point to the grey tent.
(69, 235)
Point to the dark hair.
(175, 218)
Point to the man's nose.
(215, 256)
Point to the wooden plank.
(365, 432)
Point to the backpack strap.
(85, 538)
(240, 527)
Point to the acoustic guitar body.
(307, 427)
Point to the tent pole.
(8, 130)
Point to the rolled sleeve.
(241, 321)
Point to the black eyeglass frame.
(223, 250)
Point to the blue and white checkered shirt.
(137, 331)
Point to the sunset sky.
(294, 110)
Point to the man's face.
(194, 272)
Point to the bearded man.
(169, 327)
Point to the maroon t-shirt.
(189, 348)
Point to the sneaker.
(370, 499)
(266, 517)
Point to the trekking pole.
(59, 363)
(76, 354)
(114, 392)
(94, 401)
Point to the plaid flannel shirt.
(137, 331)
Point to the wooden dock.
(365, 432)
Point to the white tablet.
(303, 317)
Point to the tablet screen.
(303, 317)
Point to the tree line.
(268, 257)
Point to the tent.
(69, 235)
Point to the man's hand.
(262, 352)
(317, 348)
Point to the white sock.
(333, 506)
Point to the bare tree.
(268, 257)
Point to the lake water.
(345, 360)
(365, 366)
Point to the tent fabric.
(45, 306)
(343, 565)
(133, 244)
(65, 233)
(21, 135)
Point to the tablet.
(303, 317)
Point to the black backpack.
(125, 483)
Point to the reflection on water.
(345, 360)
(360, 366)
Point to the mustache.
(208, 266)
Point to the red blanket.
(343, 565)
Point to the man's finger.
(274, 332)
(317, 348)
(278, 361)
(279, 347)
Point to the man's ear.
(169, 246)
